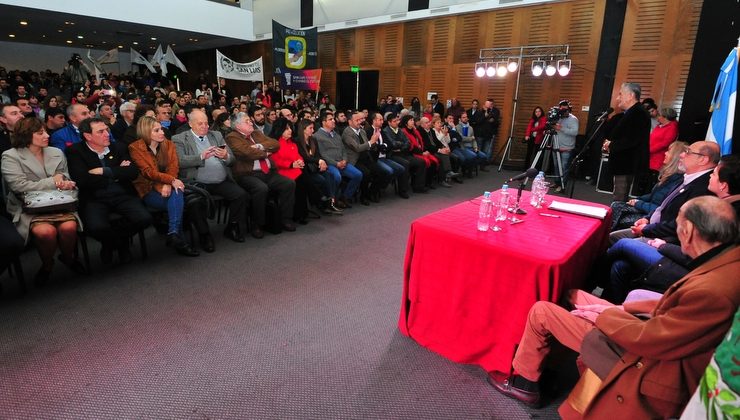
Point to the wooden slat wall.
(656, 48)
(439, 55)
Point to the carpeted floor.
(297, 325)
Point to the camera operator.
(567, 130)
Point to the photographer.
(567, 130)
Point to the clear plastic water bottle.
(537, 188)
(484, 213)
(503, 203)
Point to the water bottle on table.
(484, 212)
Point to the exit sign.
(354, 69)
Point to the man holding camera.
(567, 130)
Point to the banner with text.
(301, 79)
(293, 49)
(230, 69)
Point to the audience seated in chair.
(157, 183)
(104, 174)
(204, 160)
(626, 213)
(255, 171)
(31, 165)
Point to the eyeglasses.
(690, 152)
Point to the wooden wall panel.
(392, 45)
(656, 48)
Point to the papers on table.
(583, 210)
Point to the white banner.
(230, 69)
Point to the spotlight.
(564, 67)
(538, 66)
(490, 70)
(550, 69)
(501, 69)
(480, 69)
(513, 65)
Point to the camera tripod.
(550, 148)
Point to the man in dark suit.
(628, 143)
(104, 172)
(204, 159)
(697, 161)
(358, 148)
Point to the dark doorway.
(347, 86)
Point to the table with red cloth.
(466, 293)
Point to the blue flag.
(723, 105)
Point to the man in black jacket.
(104, 172)
(628, 143)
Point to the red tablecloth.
(466, 293)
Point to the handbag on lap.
(52, 201)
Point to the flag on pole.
(110, 56)
(723, 104)
(95, 66)
(158, 60)
(171, 58)
(137, 58)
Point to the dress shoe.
(74, 264)
(289, 227)
(181, 246)
(257, 233)
(206, 242)
(516, 387)
(234, 233)
(106, 254)
(403, 194)
(334, 208)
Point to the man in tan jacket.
(665, 356)
(258, 175)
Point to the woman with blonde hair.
(30, 166)
(669, 177)
(157, 183)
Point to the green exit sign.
(354, 69)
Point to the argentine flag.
(723, 105)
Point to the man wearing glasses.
(697, 162)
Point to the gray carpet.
(297, 325)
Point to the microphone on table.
(605, 114)
(531, 173)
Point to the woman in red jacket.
(535, 133)
(289, 163)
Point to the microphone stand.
(578, 160)
(516, 209)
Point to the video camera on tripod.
(554, 115)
